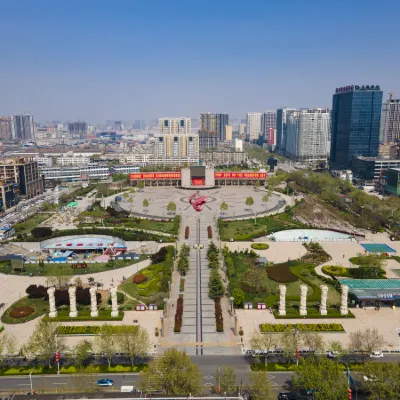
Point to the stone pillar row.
(303, 300)
(94, 312)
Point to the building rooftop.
(385, 284)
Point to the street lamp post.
(231, 299)
(30, 380)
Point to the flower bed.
(278, 328)
(93, 329)
(187, 232)
(21, 312)
(178, 315)
(139, 278)
(219, 320)
(282, 273)
(209, 232)
(260, 246)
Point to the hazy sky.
(140, 59)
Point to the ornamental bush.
(139, 278)
(187, 232)
(209, 232)
(219, 320)
(36, 292)
(260, 246)
(20, 312)
(301, 327)
(178, 315)
(160, 256)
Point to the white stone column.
(114, 302)
(324, 297)
(52, 301)
(93, 302)
(303, 299)
(73, 312)
(282, 299)
(343, 305)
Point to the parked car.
(105, 382)
(376, 354)
(371, 378)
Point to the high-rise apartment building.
(355, 129)
(23, 127)
(242, 129)
(228, 132)
(222, 121)
(6, 131)
(175, 126)
(139, 124)
(214, 124)
(390, 121)
(307, 135)
(268, 121)
(177, 145)
(281, 114)
(253, 126)
(77, 129)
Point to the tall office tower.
(222, 121)
(242, 129)
(175, 125)
(268, 121)
(390, 121)
(228, 132)
(177, 145)
(78, 129)
(356, 117)
(281, 115)
(253, 126)
(307, 135)
(6, 132)
(23, 127)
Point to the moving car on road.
(376, 354)
(105, 382)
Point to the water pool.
(309, 235)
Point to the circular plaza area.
(153, 202)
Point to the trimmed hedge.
(94, 329)
(278, 328)
(219, 320)
(178, 315)
(187, 232)
(260, 246)
(209, 232)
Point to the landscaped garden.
(279, 328)
(24, 228)
(150, 285)
(249, 229)
(260, 284)
(47, 269)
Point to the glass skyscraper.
(356, 116)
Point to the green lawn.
(30, 223)
(248, 229)
(148, 224)
(66, 269)
(39, 305)
(155, 288)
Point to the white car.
(371, 378)
(376, 354)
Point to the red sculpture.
(197, 202)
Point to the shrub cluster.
(20, 312)
(301, 327)
(216, 287)
(182, 285)
(120, 298)
(94, 329)
(183, 262)
(37, 292)
(219, 320)
(42, 232)
(82, 297)
(187, 232)
(178, 315)
(260, 246)
(139, 278)
(209, 232)
(213, 256)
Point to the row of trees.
(45, 342)
(183, 261)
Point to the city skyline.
(137, 67)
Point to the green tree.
(337, 348)
(82, 350)
(365, 342)
(382, 380)
(226, 378)
(249, 201)
(238, 297)
(8, 345)
(173, 373)
(120, 177)
(369, 260)
(260, 385)
(140, 185)
(290, 342)
(224, 206)
(314, 341)
(130, 200)
(134, 342)
(265, 198)
(323, 377)
(171, 207)
(44, 341)
(107, 343)
(145, 203)
(132, 190)
(216, 288)
(125, 195)
(257, 185)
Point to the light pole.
(231, 299)
(30, 379)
